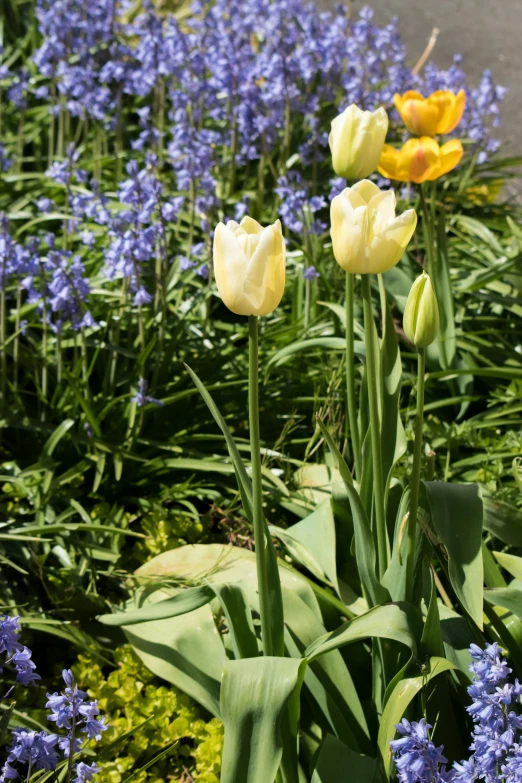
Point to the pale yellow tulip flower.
(249, 266)
(367, 237)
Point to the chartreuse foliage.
(156, 717)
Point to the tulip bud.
(421, 314)
(356, 141)
(249, 266)
(367, 237)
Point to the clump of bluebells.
(71, 710)
(497, 734)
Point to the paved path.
(488, 35)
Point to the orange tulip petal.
(450, 155)
(388, 162)
(418, 158)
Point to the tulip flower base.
(260, 379)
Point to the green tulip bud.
(421, 314)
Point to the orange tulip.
(420, 159)
(440, 112)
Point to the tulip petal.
(387, 249)
(450, 155)
(420, 117)
(349, 232)
(265, 275)
(389, 162)
(381, 211)
(251, 226)
(418, 160)
(229, 269)
(366, 190)
(451, 109)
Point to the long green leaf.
(257, 697)
(183, 602)
(335, 756)
(456, 516)
(400, 698)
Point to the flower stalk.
(415, 476)
(260, 531)
(375, 428)
(351, 405)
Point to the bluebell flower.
(311, 273)
(141, 397)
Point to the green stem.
(3, 365)
(427, 229)
(257, 493)
(351, 403)
(375, 427)
(415, 475)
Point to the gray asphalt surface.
(488, 34)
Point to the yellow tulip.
(366, 235)
(440, 112)
(420, 159)
(249, 266)
(421, 314)
(356, 141)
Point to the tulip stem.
(351, 406)
(375, 426)
(415, 474)
(260, 531)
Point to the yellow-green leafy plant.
(131, 697)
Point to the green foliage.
(130, 695)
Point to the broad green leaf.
(185, 650)
(511, 563)
(312, 543)
(327, 678)
(456, 517)
(239, 619)
(258, 696)
(398, 622)
(398, 701)
(335, 756)
(503, 521)
(185, 601)
(509, 597)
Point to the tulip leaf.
(503, 521)
(509, 597)
(235, 606)
(440, 275)
(393, 437)
(398, 622)
(185, 601)
(511, 563)
(456, 517)
(401, 696)
(364, 541)
(260, 706)
(334, 756)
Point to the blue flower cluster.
(53, 279)
(497, 735)
(18, 656)
(70, 709)
(234, 83)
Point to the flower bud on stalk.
(356, 141)
(421, 314)
(249, 266)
